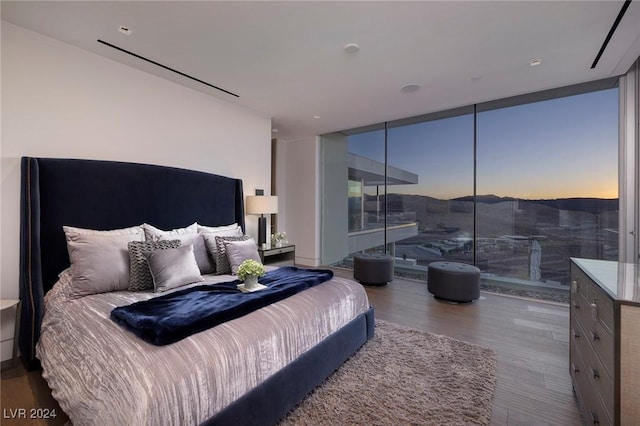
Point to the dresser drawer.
(601, 306)
(580, 310)
(590, 297)
(603, 345)
(599, 374)
(592, 405)
(600, 380)
(593, 309)
(580, 283)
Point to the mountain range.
(589, 205)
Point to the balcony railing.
(372, 220)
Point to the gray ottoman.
(373, 269)
(454, 281)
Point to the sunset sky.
(561, 148)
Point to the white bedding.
(99, 372)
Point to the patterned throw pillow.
(140, 278)
(208, 235)
(222, 263)
(188, 235)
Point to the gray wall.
(334, 214)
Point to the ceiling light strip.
(625, 6)
(166, 67)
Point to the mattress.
(98, 371)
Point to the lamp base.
(262, 231)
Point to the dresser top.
(620, 280)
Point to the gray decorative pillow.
(174, 267)
(188, 235)
(99, 262)
(222, 263)
(239, 251)
(139, 275)
(206, 265)
(209, 234)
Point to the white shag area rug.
(405, 377)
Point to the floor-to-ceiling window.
(516, 187)
(365, 161)
(440, 152)
(547, 186)
(366, 164)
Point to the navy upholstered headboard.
(104, 195)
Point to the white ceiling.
(286, 59)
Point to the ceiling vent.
(625, 6)
(165, 67)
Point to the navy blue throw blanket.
(172, 317)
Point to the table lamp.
(262, 204)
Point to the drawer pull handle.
(575, 334)
(576, 305)
(574, 368)
(594, 310)
(594, 336)
(595, 373)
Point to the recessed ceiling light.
(535, 62)
(124, 30)
(408, 88)
(274, 130)
(316, 116)
(351, 47)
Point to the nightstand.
(7, 304)
(278, 256)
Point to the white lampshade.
(262, 204)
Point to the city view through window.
(540, 186)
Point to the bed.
(251, 370)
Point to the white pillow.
(99, 262)
(154, 233)
(202, 229)
(123, 231)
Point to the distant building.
(366, 213)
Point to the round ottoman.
(454, 281)
(373, 269)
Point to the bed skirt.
(275, 397)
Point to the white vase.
(250, 281)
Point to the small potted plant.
(278, 239)
(249, 271)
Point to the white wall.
(302, 197)
(61, 101)
(281, 183)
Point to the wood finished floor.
(530, 337)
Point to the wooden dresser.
(605, 341)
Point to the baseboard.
(9, 364)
